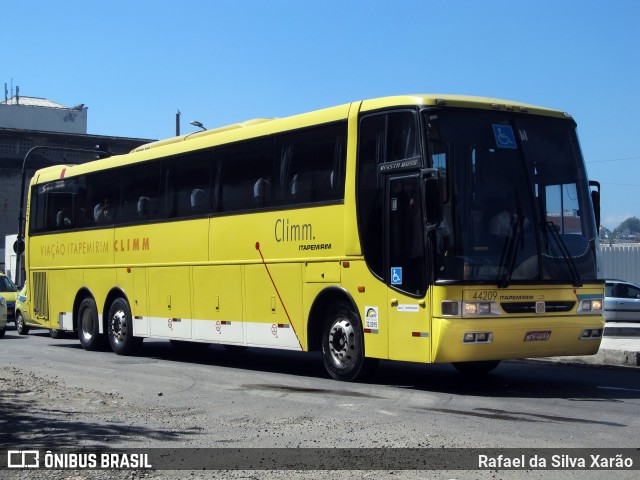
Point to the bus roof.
(266, 126)
(460, 101)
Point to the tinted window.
(406, 244)
(186, 182)
(139, 189)
(608, 290)
(310, 165)
(246, 175)
(370, 190)
(237, 177)
(625, 290)
(55, 206)
(102, 197)
(6, 285)
(383, 138)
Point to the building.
(31, 113)
(26, 122)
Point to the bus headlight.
(451, 308)
(593, 305)
(472, 309)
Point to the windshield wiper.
(510, 248)
(575, 276)
(510, 251)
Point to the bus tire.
(3, 331)
(343, 345)
(476, 368)
(21, 327)
(55, 333)
(89, 326)
(120, 329)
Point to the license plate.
(540, 336)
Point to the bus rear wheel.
(343, 345)
(89, 326)
(120, 329)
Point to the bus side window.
(102, 197)
(139, 189)
(310, 165)
(187, 185)
(246, 170)
(56, 205)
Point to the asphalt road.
(54, 394)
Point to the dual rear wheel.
(119, 332)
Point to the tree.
(630, 227)
(605, 232)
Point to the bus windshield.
(516, 204)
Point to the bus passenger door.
(409, 318)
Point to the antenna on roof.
(6, 93)
(17, 94)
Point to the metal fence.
(622, 261)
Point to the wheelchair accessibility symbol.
(396, 276)
(504, 136)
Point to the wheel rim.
(86, 325)
(19, 325)
(342, 344)
(118, 327)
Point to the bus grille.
(530, 307)
(40, 305)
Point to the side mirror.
(595, 200)
(18, 246)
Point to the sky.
(135, 63)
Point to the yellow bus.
(417, 228)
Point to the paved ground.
(620, 346)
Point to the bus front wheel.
(120, 329)
(89, 326)
(343, 345)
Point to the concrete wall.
(9, 200)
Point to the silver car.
(621, 301)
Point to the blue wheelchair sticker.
(396, 275)
(504, 136)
